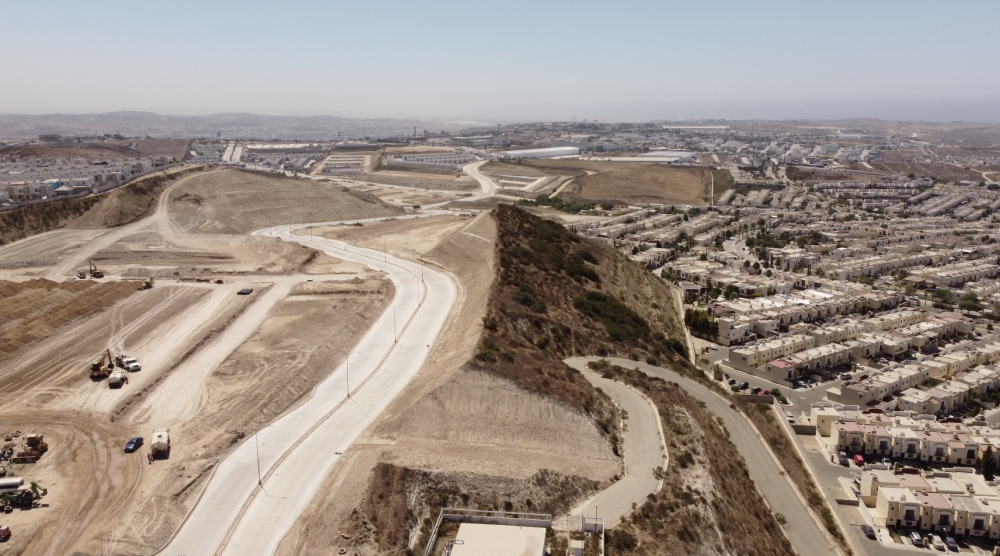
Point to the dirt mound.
(35, 219)
(130, 203)
(238, 202)
(121, 206)
(176, 148)
(31, 311)
(104, 150)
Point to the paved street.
(805, 533)
(643, 451)
(289, 458)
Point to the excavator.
(94, 272)
(103, 366)
(148, 284)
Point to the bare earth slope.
(237, 202)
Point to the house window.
(979, 524)
(910, 515)
(944, 520)
(971, 454)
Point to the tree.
(988, 464)
(970, 302)
(989, 327)
(768, 273)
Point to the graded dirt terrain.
(238, 202)
(176, 148)
(212, 361)
(456, 181)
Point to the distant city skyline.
(519, 61)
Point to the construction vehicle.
(94, 272)
(160, 446)
(117, 379)
(102, 367)
(148, 284)
(4, 533)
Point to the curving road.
(644, 451)
(292, 455)
(489, 187)
(802, 530)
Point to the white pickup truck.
(131, 364)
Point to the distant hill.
(21, 126)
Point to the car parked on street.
(950, 542)
(917, 539)
(869, 531)
(744, 385)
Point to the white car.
(938, 543)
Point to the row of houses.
(97, 179)
(747, 319)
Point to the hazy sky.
(503, 61)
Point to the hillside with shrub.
(557, 295)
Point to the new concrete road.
(257, 492)
(489, 188)
(644, 451)
(803, 531)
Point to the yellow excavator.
(94, 272)
(103, 366)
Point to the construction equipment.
(103, 366)
(160, 446)
(94, 272)
(117, 379)
(148, 284)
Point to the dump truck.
(148, 284)
(117, 379)
(160, 446)
(94, 272)
(103, 366)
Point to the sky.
(506, 61)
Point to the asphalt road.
(803, 531)
(644, 451)
(293, 454)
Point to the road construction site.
(293, 334)
(230, 376)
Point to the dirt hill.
(238, 202)
(558, 294)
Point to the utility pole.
(349, 375)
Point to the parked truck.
(160, 446)
(117, 379)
